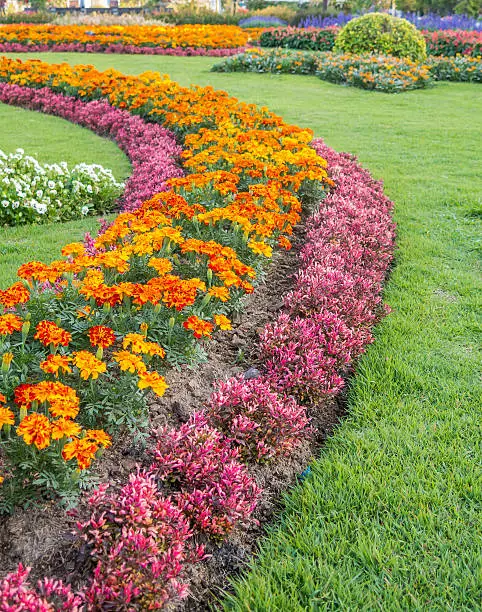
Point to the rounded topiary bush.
(381, 34)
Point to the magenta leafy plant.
(208, 483)
(140, 543)
(262, 424)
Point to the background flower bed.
(174, 40)
(386, 74)
(446, 42)
(34, 193)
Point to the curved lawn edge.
(151, 149)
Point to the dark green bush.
(381, 34)
(40, 17)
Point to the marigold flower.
(222, 322)
(89, 365)
(153, 380)
(65, 428)
(10, 323)
(35, 429)
(6, 417)
(260, 248)
(129, 362)
(49, 332)
(74, 248)
(221, 293)
(81, 449)
(7, 359)
(99, 436)
(14, 295)
(3, 399)
(55, 363)
(198, 326)
(138, 344)
(102, 336)
(161, 265)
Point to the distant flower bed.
(31, 192)
(171, 40)
(323, 39)
(423, 22)
(386, 74)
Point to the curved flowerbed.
(199, 484)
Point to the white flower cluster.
(32, 192)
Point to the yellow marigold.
(74, 248)
(260, 248)
(65, 428)
(129, 362)
(49, 332)
(35, 429)
(55, 363)
(138, 344)
(10, 323)
(99, 436)
(82, 449)
(161, 265)
(6, 417)
(222, 322)
(153, 380)
(89, 365)
(221, 293)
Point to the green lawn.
(49, 139)
(390, 517)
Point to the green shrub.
(381, 34)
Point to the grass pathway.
(390, 517)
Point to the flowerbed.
(82, 332)
(33, 193)
(444, 42)
(336, 298)
(153, 40)
(386, 74)
(151, 149)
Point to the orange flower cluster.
(168, 270)
(164, 37)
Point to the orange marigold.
(102, 336)
(221, 293)
(10, 323)
(89, 365)
(129, 362)
(222, 322)
(6, 417)
(55, 363)
(83, 450)
(49, 332)
(14, 295)
(153, 380)
(99, 436)
(35, 429)
(65, 428)
(198, 326)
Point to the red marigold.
(102, 336)
(49, 332)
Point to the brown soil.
(41, 537)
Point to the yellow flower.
(89, 365)
(6, 417)
(153, 380)
(260, 248)
(35, 429)
(129, 362)
(65, 428)
(222, 322)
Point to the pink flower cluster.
(151, 148)
(117, 48)
(260, 423)
(18, 595)
(210, 486)
(337, 296)
(140, 542)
